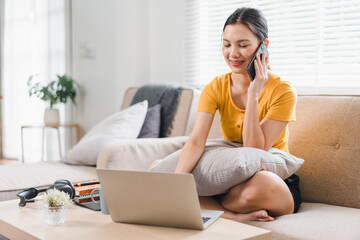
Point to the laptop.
(154, 198)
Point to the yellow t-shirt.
(277, 102)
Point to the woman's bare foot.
(212, 204)
(260, 215)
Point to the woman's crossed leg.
(261, 198)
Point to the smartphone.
(251, 67)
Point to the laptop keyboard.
(205, 219)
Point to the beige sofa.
(326, 134)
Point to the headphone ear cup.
(65, 186)
(72, 195)
(28, 194)
(62, 181)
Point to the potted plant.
(56, 91)
(55, 203)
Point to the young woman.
(255, 113)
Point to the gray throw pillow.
(151, 127)
(225, 164)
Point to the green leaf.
(56, 91)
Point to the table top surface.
(28, 223)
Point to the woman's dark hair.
(252, 18)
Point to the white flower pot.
(51, 116)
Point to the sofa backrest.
(326, 135)
(184, 118)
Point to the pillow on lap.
(125, 124)
(225, 164)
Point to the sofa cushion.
(138, 154)
(16, 177)
(315, 221)
(225, 164)
(125, 124)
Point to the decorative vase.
(55, 215)
(51, 116)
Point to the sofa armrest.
(138, 154)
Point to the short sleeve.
(207, 101)
(283, 104)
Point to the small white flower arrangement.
(56, 198)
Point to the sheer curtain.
(312, 43)
(34, 42)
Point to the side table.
(55, 126)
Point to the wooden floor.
(7, 161)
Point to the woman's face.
(239, 46)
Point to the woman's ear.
(266, 41)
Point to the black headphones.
(27, 195)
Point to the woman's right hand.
(261, 77)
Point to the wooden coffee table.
(28, 223)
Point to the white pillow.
(125, 124)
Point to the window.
(313, 44)
(34, 42)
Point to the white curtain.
(34, 43)
(312, 43)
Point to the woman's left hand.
(261, 76)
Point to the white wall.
(93, 29)
(167, 37)
(132, 46)
(118, 44)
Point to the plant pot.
(55, 215)
(51, 116)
